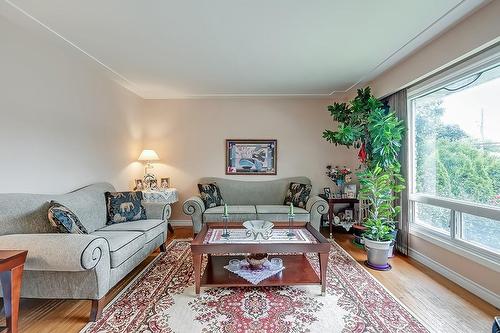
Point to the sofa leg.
(96, 311)
(163, 248)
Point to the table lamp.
(148, 155)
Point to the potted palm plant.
(378, 133)
(379, 189)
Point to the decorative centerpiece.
(256, 260)
(258, 228)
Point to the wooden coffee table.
(298, 270)
(11, 271)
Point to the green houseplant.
(378, 133)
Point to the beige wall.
(63, 122)
(477, 30)
(189, 136)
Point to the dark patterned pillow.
(124, 207)
(210, 194)
(298, 194)
(64, 219)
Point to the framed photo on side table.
(251, 157)
(139, 185)
(165, 183)
(328, 192)
(350, 191)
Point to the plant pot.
(378, 253)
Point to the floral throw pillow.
(298, 194)
(210, 194)
(64, 219)
(124, 207)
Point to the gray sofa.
(248, 200)
(78, 266)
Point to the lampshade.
(148, 155)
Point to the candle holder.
(225, 230)
(290, 233)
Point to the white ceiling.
(188, 48)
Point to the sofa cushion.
(151, 228)
(210, 194)
(236, 213)
(64, 219)
(122, 244)
(298, 194)
(124, 206)
(280, 213)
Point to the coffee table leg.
(197, 272)
(11, 288)
(323, 263)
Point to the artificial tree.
(378, 133)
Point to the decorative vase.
(340, 185)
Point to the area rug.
(162, 299)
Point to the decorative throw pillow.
(210, 194)
(64, 219)
(124, 206)
(298, 194)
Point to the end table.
(331, 203)
(167, 196)
(11, 272)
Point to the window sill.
(483, 257)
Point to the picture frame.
(251, 156)
(327, 192)
(138, 185)
(349, 214)
(350, 191)
(165, 183)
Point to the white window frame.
(450, 241)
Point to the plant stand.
(387, 267)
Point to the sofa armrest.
(58, 252)
(195, 207)
(157, 210)
(317, 207)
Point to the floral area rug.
(162, 299)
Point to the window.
(437, 218)
(455, 156)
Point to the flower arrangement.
(338, 175)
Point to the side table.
(331, 203)
(11, 273)
(167, 196)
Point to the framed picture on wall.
(251, 157)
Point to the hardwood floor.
(439, 303)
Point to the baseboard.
(181, 223)
(478, 290)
